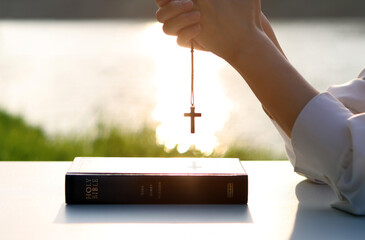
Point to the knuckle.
(159, 16)
(180, 42)
(181, 38)
(167, 29)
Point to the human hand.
(180, 18)
(218, 26)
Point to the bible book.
(156, 181)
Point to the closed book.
(156, 181)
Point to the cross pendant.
(192, 116)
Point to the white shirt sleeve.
(328, 143)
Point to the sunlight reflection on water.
(172, 78)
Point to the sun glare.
(172, 80)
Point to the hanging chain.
(192, 74)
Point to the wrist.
(244, 51)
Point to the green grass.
(22, 141)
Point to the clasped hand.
(218, 26)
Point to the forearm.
(270, 32)
(266, 26)
(275, 82)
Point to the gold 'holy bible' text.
(91, 188)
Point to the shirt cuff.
(351, 183)
(321, 139)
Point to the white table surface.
(282, 205)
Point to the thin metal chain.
(192, 74)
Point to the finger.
(161, 3)
(186, 35)
(197, 46)
(173, 26)
(173, 9)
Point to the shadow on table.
(316, 219)
(154, 214)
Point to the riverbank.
(20, 141)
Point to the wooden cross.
(192, 116)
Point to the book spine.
(124, 189)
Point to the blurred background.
(100, 78)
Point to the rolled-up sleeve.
(328, 143)
(351, 180)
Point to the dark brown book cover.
(156, 181)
